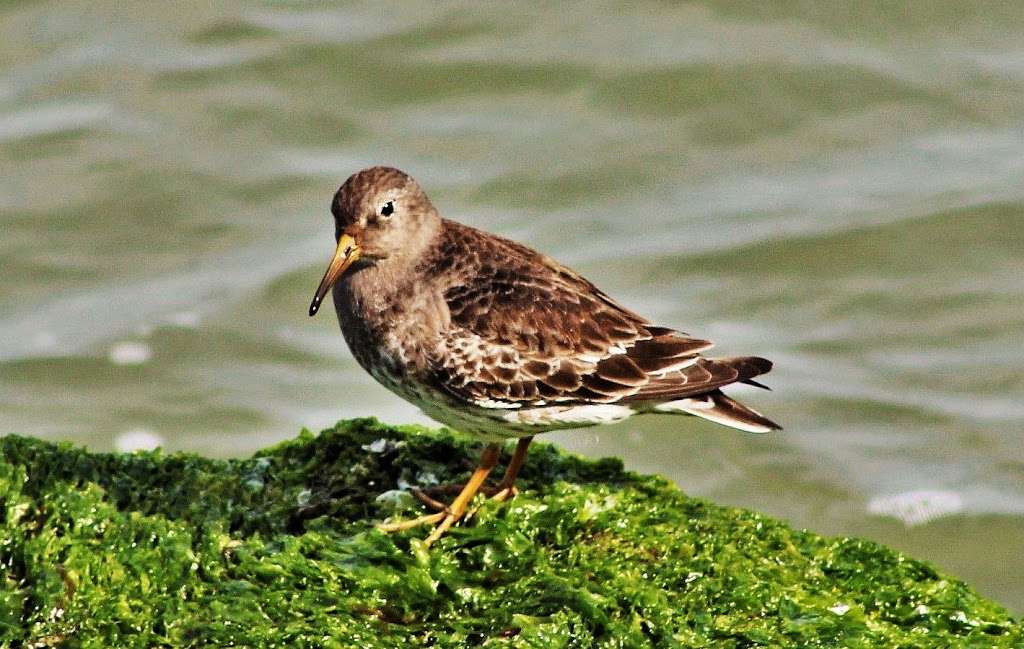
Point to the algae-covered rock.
(154, 550)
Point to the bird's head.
(379, 212)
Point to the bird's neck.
(371, 290)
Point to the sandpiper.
(499, 341)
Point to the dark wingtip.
(756, 384)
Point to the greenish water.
(841, 190)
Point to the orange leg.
(458, 507)
(507, 487)
(487, 461)
(505, 490)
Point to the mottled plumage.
(458, 319)
(498, 340)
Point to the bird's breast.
(394, 331)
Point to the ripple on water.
(50, 119)
(917, 507)
(838, 190)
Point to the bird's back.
(526, 332)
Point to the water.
(841, 190)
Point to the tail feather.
(700, 377)
(717, 407)
(756, 384)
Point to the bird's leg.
(416, 522)
(507, 486)
(428, 501)
(487, 461)
(451, 513)
(426, 495)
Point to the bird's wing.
(526, 331)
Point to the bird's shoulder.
(505, 292)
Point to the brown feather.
(717, 407)
(668, 347)
(487, 322)
(565, 379)
(623, 370)
(661, 365)
(608, 388)
(535, 323)
(705, 375)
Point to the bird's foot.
(430, 519)
(427, 495)
(505, 493)
(500, 495)
(429, 501)
(443, 512)
(444, 518)
(450, 514)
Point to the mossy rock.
(279, 550)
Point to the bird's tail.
(717, 407)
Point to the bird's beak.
(347, 252)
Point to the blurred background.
(840, 190)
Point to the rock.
(156, 550)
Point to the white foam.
(917, 507)
(138, 439)
(130, 353)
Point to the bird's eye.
(387, 209)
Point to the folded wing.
(527, 332)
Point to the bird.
(498, 341)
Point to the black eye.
(387, 209)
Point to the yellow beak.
(346, 253)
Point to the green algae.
(154, 550)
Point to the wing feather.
(527, 331)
